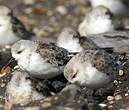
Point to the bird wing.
(54, 54)
(19, 29)
(104, 62)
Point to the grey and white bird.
(73, 42)
(98, 20)
(117, 7)
(40, 59)
(11, 29)
(93, 68)
(68, 39)
(20, 90)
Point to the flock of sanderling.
(77, 57)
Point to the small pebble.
(121, 72)
(56, 98)
(110, 98)
(111, 102)
(28, 10)
(110, 106)
(46, 105)
(49, 13)
(32, 108)
(40, 32)
(40, 10)
(68, 108)
(61, 9)
(1, 97)
(102, 105)
(48, 99)
(126, 94)
(2, 85)
(120, 82)
(115, 81)
(28, 2)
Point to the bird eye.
(109, 13)
(19, 52)
(74, 75)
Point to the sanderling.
(117, 7)
(69, 39)
(73, 42)
(93, 68)
(11, 29)
(20, 91)
(98, 20)
(40, 59)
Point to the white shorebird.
(20, 90)
(117, 7)
(93, 68)
(40, 59)
(11, 29)
(98, 20)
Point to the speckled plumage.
(93, 68)
(54, 54)
(39, 59)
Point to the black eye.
(109, 13)
(27, 78)
(74, 75)
(19, 52)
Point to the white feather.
(19, 89)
